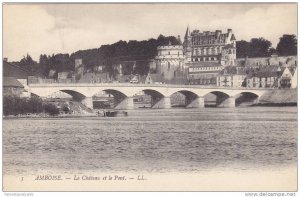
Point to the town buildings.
(231, 76)
(262, 77)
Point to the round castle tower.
(169, 60)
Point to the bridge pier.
(88, 102)
(229, 102)
(126, 103)
(198, 102)
(163, 103)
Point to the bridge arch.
(216, 98)
(158, 98)
(153, 93)
(118, 97)
(183, 98)
(246, 98)
(77, 96)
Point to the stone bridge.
(160, 93)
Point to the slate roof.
(267, 71)
(11, 82)
(233, 70)
(12, 70)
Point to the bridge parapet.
(142, 85)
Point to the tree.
(242, 49)
(259, 47)
(287, 45)
(272, 51)
(51, 109)
(28, 63)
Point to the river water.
(153, 141)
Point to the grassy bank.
(279, 97)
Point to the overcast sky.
(59, 28)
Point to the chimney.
(218, 33)
(229, 31)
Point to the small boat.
(115, 113)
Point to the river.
(153, 141)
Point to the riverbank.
(44, 115)
(279, 97)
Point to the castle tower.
(169, 60)
(187, 45)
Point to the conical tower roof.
(187, 33)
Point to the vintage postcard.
(150, 97)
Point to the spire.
(187, 33)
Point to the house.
(52, 73)
(12, 70)
(231, 76)
(288, 78)
(154, 78)
(124, 78)
(263, 77)
(95, 78)
(12, 87)
(135, 79)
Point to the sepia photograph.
(150, 97)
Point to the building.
(12, 70)
(135, 79)
(169, 60)
(232, 76)
(95, 78)
(207, 53)
(52, 74)
(64, 77)
(154, 79)
(203, 73)
(263, 77)
(210, 46)
(288, 78)
(12, 87)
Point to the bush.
(13, 105)
(66, 109)
(51, 109)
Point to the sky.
(36, 29)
